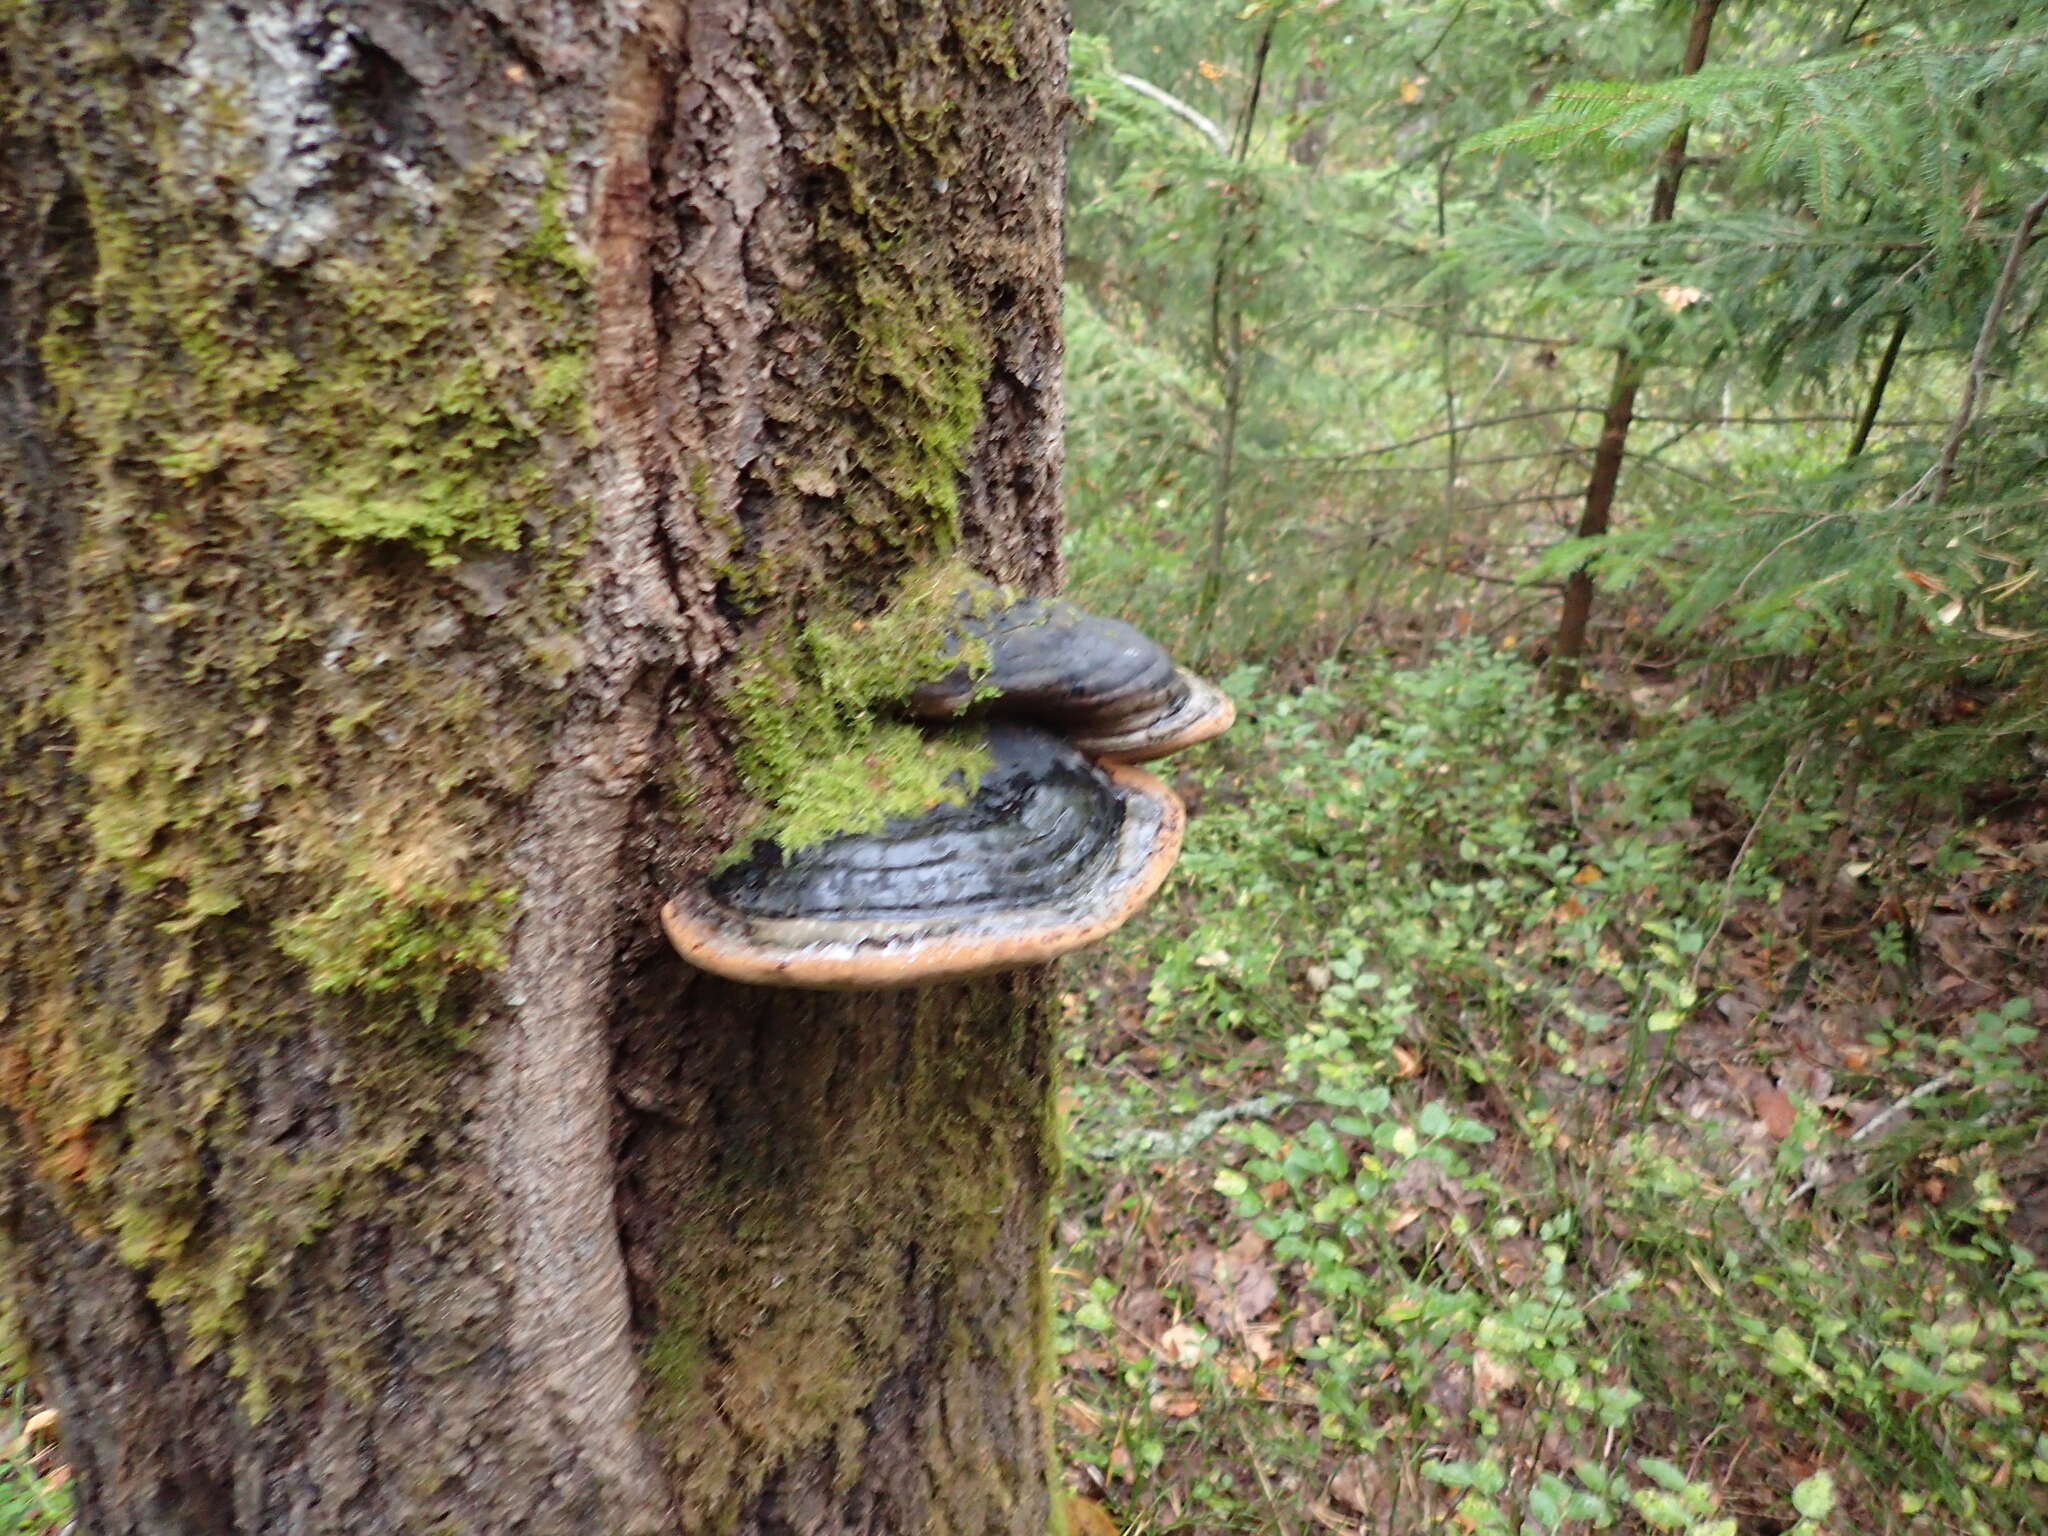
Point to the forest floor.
(1482, 1136)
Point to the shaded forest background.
(1586, 1075)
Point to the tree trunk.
(415, 420)
(1576, 613)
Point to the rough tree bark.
(415, 420)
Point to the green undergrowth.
(35, 1492)
(1427, 1193)
(819, 748)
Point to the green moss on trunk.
(817, 748)
(292, 723)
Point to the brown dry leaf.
(1176, 1405)
(1080, 1418)
(1406, 1062)
(1181, 1345)
(1234, 1286)
(1358, 1486)
(1589, 874)
(1140, 1311)
(1087, 1517)
(1311, 1326)
(40, 1423)
(1776, 1112)
(1491, 1376)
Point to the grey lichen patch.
(253, 105)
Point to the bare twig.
(1202, 124)
(1980, 360)
(1880, 1120)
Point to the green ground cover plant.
(1409, 1191)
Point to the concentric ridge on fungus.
(1101, 683)
(1052, 852)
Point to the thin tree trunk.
(1879, 385)
(1227, 342)
(413, 423)
(1612, 448)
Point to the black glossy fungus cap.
(1050, 853)
(1099, 682)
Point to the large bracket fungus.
(1060, 841)
(1102, 684)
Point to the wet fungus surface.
(1059, 843)
(1051, 852)
(1104, 685)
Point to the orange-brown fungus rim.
(944, 959)
(1204, 728)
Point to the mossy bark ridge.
(434, 441)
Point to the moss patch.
(863, 1164)
(417, 421)
(261, 790)
(817, 748)
(921, 361)
(384, 939)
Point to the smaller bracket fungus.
(1102, 684)
(1051, 852)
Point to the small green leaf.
(1815, 1497)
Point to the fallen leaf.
(1176, 1405)
(1492, 1376)
(1233, 1286)
(1358, 1486)
(1087, 1517)
(1081, 1418)
(1776, 1112)
(1181, 1345)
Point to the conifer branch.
(1980, 359)
(1629, 370)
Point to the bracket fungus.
(1105, 686)
(1060, 841)
(1051, 852)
